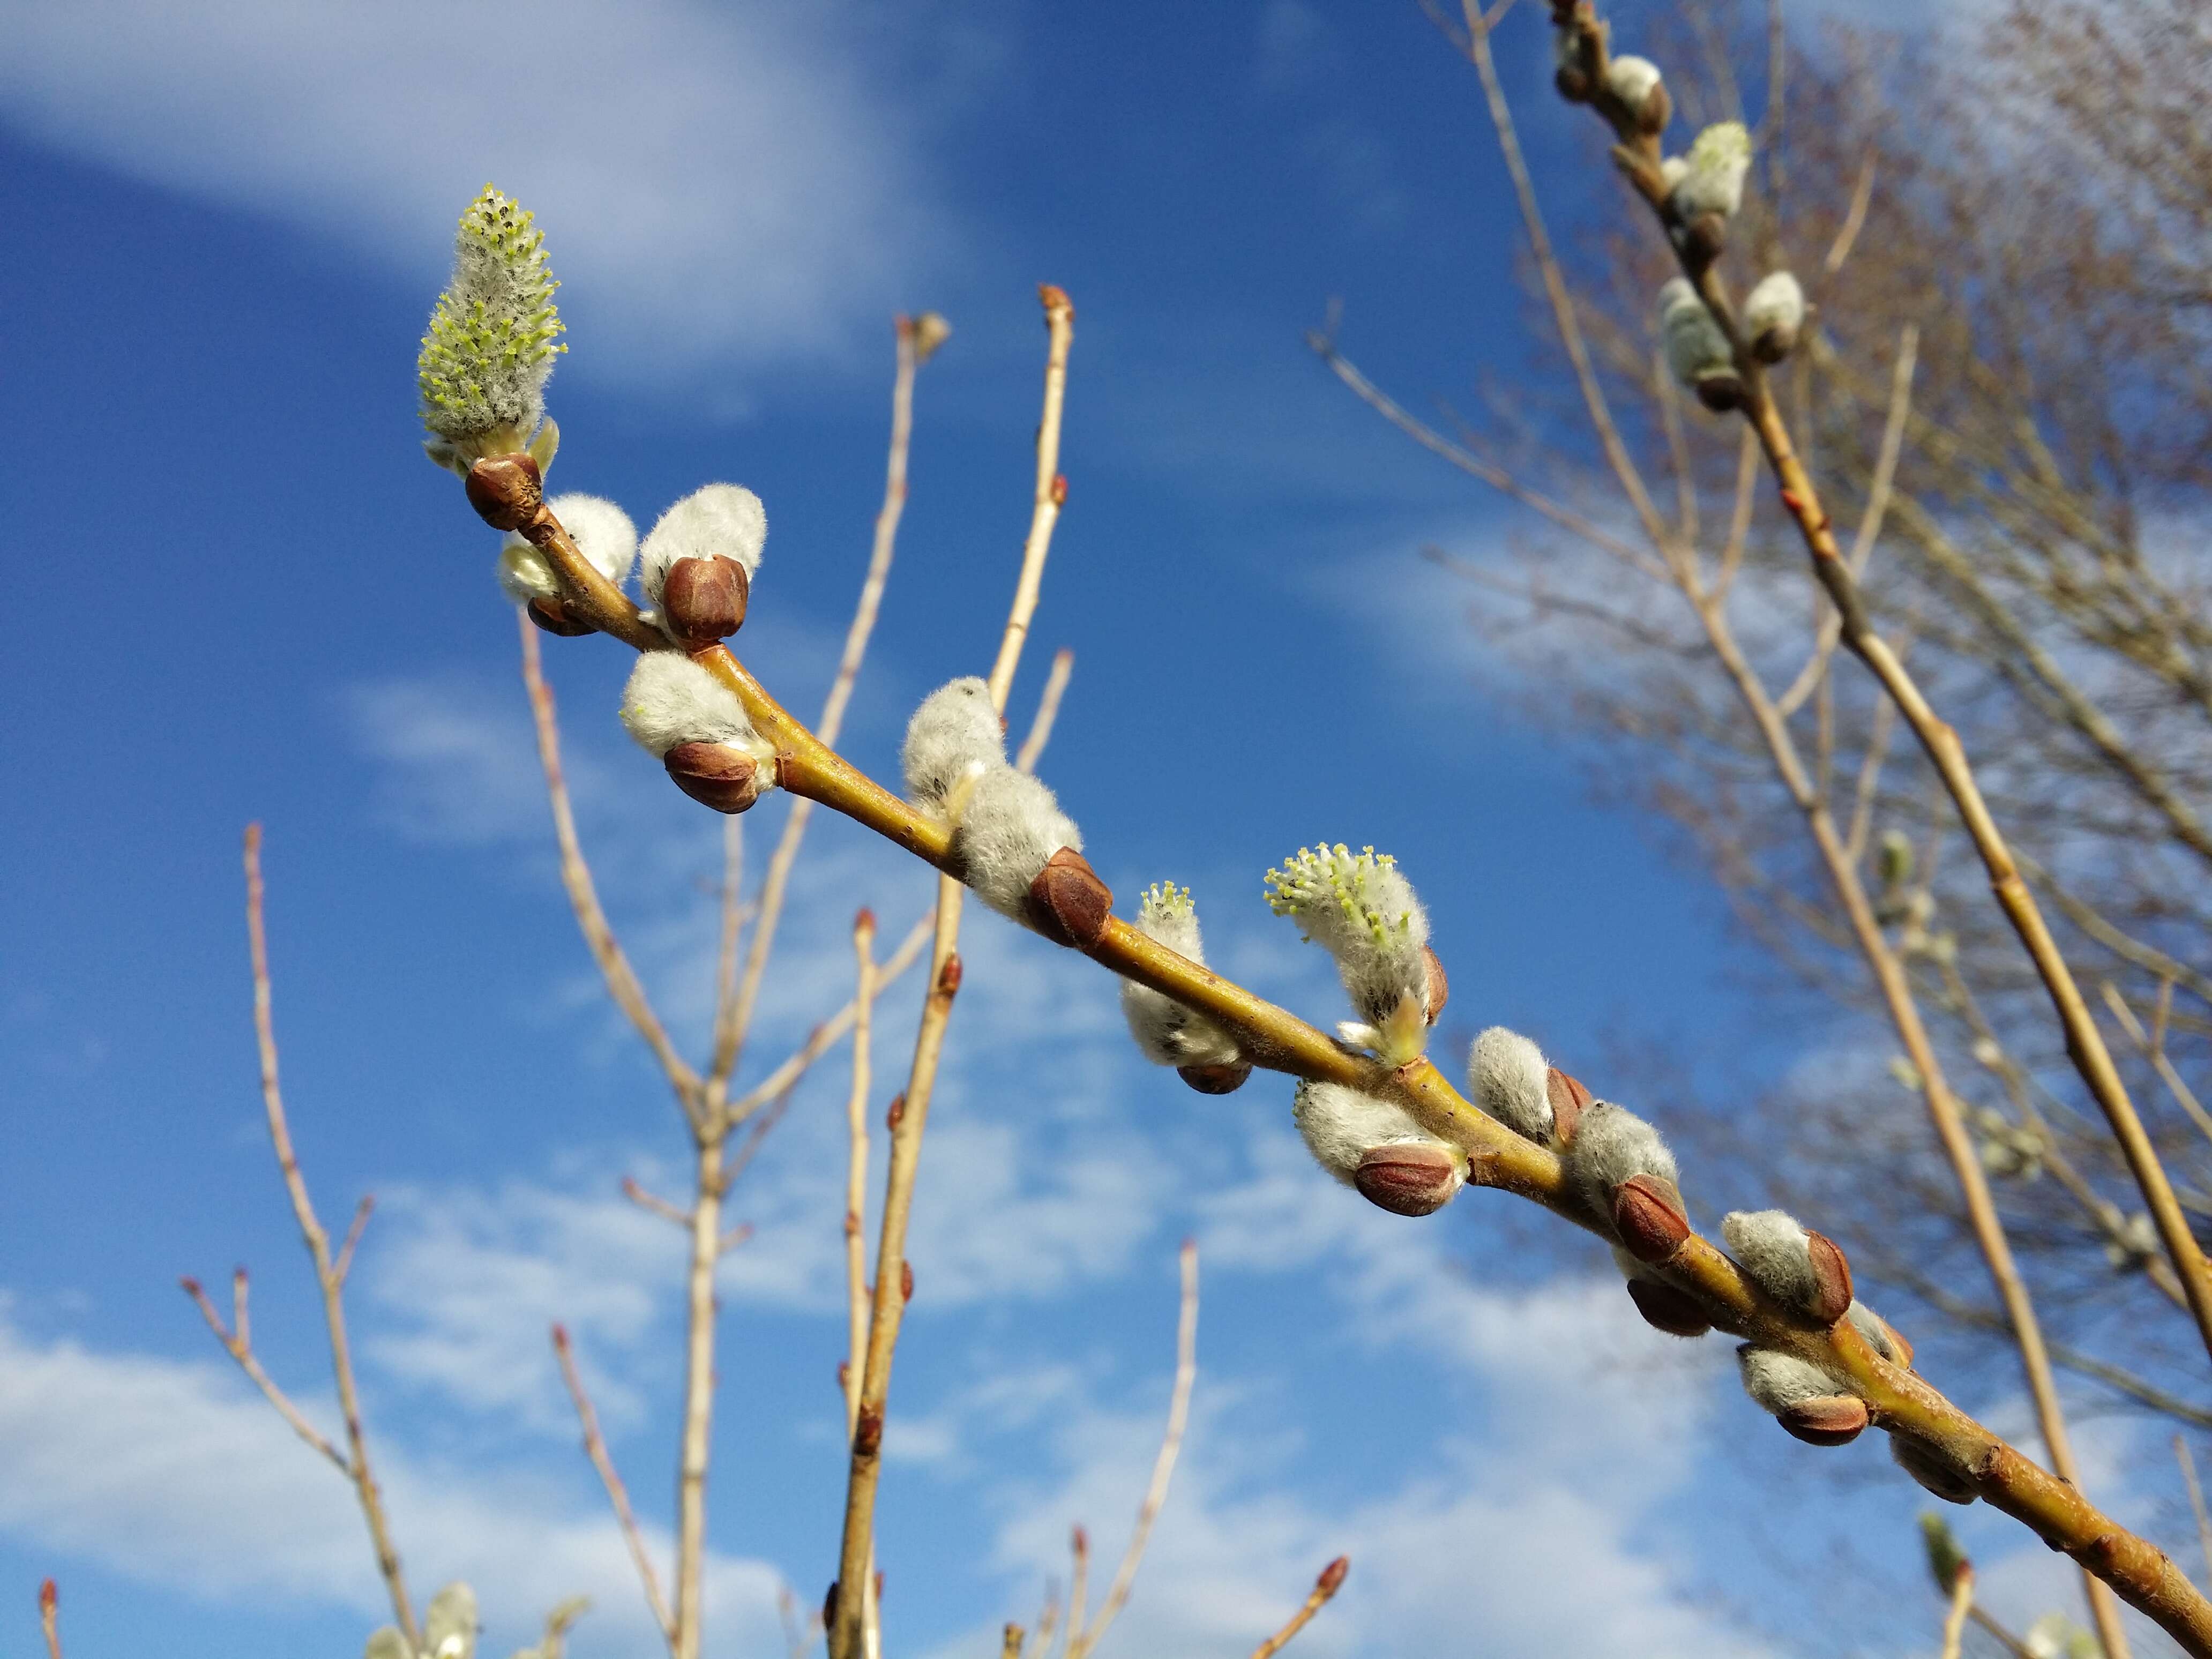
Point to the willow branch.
(653, 1204)
(856, 1169)
(1325, 1588)
(595, 1448)
(355, 1464)
(2155, 1051)
(1954, 1616)
(1047, 711)
(237, 1343)
(1156, 1494)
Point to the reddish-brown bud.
(948, 977)
(704, 600)
(906, 1281)
(1568, 1098)
(714, 775)
(1225, 1077)
(1414, 1178)
(1834, 1420)
(844, 1374)
(1703, 237)
(897, 1115)
(505, 491)
(555, 617)
(49, 1598)
(863, 921)
(1067, 902)
(830, 1608)
(1667, 1309)
(1054, 298)
(868, 1432)
(1573, 82)
(852, 1224)
(1647, 1213)
(1833, 1274)
(1720, 392)
(1332, 1576)
(1439, 986)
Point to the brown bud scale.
(1332, 1576)
(1647, 1213)
(1568, 1099)
(906, 1281)
(1225, 1077)
(1067, 902)
(714, 775)
(1834, 1420)
(1438, 986)
(506, 491)
(553, 616)
(896, 1114)
(1833, 1274)
(1412, 1178)
(1665, 1309)
(868, 1432)
(704, 600)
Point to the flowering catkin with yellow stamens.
(491, 346)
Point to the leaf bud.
(715, 774)
(1409, 1177)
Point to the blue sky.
(227, 222)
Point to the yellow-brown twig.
(1156, 1494)
(856, 1168)
(1325, 1587)
(815, 759)
(1954, 1616)
(595, 1448)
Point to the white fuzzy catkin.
(1631, 80)
(1712, 180)
(1771, 1248)
(954, 738)
(1507, 1075)
(449, 1627)
(1167, 1033)
(1776, 301)
(1341, 1126)
(1611, 1144)
(719, 521)
(603, 534)
(671, 699)
(1696, 347)
(1008, 832)
(1363, 912)
(1778, 1381)
(1672, 171)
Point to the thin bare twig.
(1048, 710)
(1078, 1581)
(343, 1264)
(1954, 1617)
(856, 1168)
(2153, 1049)
(50, 1611)
(2195, 1502)
(240, 1349)
(1854, 219)
(595, 1448)
(356, 1463)
(652, 1204)
(622, 981)
(1156, 1494)
(1325, 1587)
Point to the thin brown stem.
(1047, 711)
(622, 981)
(50, 1616)
(1325, 1588)
(698, 1400)
(343, 1264)
(2153, 1049)
(857, 633)
(238, 1345)
(2196, 1501)
(1954, 1616)
(733, 912)
(595, 1448)
(856, 1168)
(653, 1204)
(1078, 1582)
(849, 1627)
(357, 1464)
(1156, 1494)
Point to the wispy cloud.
(729, 180)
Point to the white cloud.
(176, 1474)
(726, 179)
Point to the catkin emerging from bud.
(672, 700)
(1697, 352)
(1712, 180)
(1612, 1145)
(1809, 1402)
(603, 534)
(1008, 833)
(1802, 1271)
(722, 521)
(954, 738)
(449, 1624)
(491, 347)
(1363, 913)
(1773, 316)
(1377, 1147)
(1167, 1033)
(1507, 1074)
(1636, 83)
